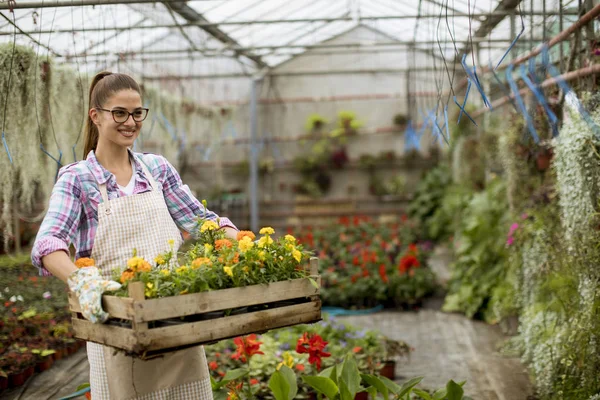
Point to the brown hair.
(104, 85)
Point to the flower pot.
(60, 353)
(17, 379)
(388, 370)
(29, 371)
(44, 364)
(3, 383)
(543, 160)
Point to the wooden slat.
(117, 307)
(227, 327)
(198, 303)
(116, 336)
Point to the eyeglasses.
(120, 116)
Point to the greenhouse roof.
(245, 36)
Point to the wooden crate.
(147, 328)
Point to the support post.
(253, 189)
(16, 224)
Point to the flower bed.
(34, 327)
(364, 264)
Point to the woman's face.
(121, 104)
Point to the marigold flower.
(127, 275)
(201, 261)
(243, 234)
(236, 258)
(181, 269)
(290, 238)
(228, 271)
(208, 248)
(264, 241)
(245, 244)
(144, 267)
(84, 262)
(222, 243)
(267, 230)
(171, 242)
(209, 226)
(159, 260)
(262, 255)
(165, 272)
(297, 255)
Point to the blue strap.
(78, 393)
(567, 89)
(542, 100)
(501, 84)
(58, 162)
(520, 103)
(410, 136)
(513, 43)
(532, 71)
(6, 147)
(473, 75)
(437, 131)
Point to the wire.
(10, 73)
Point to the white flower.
(6, 289)
(13, 299)
(47, 295)
(20, 298)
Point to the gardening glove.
(88, 285)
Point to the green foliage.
(480, 264)
(429, 194)
(315, 122)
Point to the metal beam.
(70, 3)
(293, 73)
(498, 14)
(193, 17)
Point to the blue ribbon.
(462, 108)
(58, 162)
(473, 75)
(410, 135)
(567, 89)
(519, 100)
(540, 97)
(506, 92)
(6, 148)
(513, 43)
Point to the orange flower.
(236, 258)
(254, 381)
(242, 234)
(356, 349)
(247, 346)
(213, 365)
(127, 275)
(144, 267)
(84, 262)
(88, 395)
(200, 261)
(300, 367)
(221, 243)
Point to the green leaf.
(440, 394)
(327, 372)
(373, 392)
(82, 386)
(314, 283)
(407, 386)
(422, 394)
(290, 378)
(322, 385)
(279, 386)
(345, 393)
(351, 375)
(376, 383)
(391, 385)
(455, 391)
(220, 395)
(234, 374)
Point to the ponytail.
(104, 85)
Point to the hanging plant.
(347, 124)
(315, 123)
(400, 120)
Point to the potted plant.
(44, 359)
(400, 120)
(315, 123)
(347, 124)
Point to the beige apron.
(141, 221)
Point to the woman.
(107, 205)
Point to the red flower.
(355, 260)
(344, 221)
(356, 349)
(300, 367)
(247, 346)
(412, 249)
(314, 345)
(7, 304)
(221, 373)
(88, 395)
(407, 262)
(365, 273)
(354, 278)
(217, 354)
(382, 273)
(213, 365)
(254, 381)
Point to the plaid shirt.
(72, 215)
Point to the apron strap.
(148, 174)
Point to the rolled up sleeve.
(60, 225)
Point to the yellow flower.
(288, 360)
(159, 260)
(208, 248)
(245, 244)
(267, 231)
(165, 272)
(149, 285)
(181, 269)
(245, 269)
(297, 255)
(134, 262)
(228, 271)
(290, 238)
(171, 242)
(200, 261)
(261, 255)
(264, 241)
(243, 234)
(209, 226)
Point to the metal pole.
(253, 190)
(560, 28)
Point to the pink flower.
(510, 240)
(513, 228)
(524, 216)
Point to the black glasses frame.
(112, 112)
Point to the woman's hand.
(88, 285)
